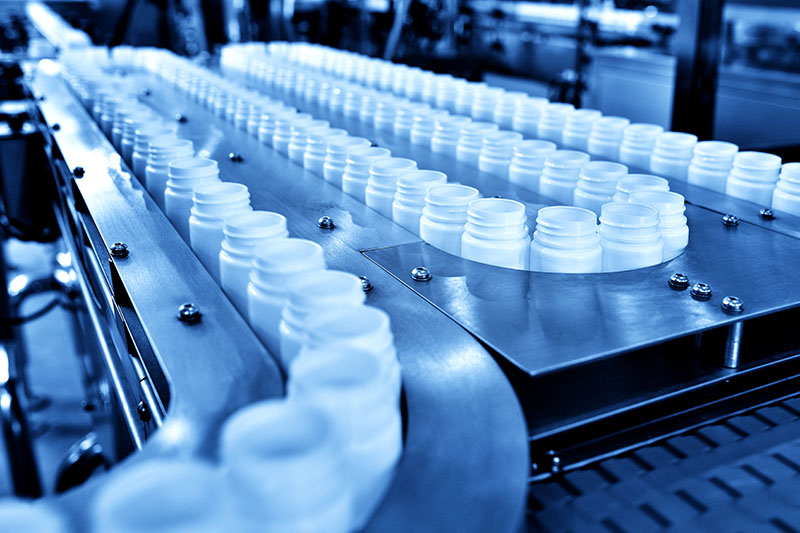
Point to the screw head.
(366, 284)
(146, 92)
(236, 157)
(767, 214)
(119, 249)
(56, 127)
(732, 304)
(421, 273)
(730, 220)
(189, 313)
(679, 281)
(701, 291)
(78, 172)
(144, 411)
(180, 117)
(325, 222)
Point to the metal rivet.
(366, 284)
(119, 249)
(421, 274)
(732, 304)
(41, 98)
(56, 127)
(496, 196)
(189, 313)
(767, 214)
(78, 172)
(146, 92)
(180, 117)
(144, 411)
(679, 281)
(555, 462)
(701, 291)
(236, 157)
(730, 220)
(325, 222)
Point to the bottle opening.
(628, 215)
(566, 221)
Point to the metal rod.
(733, 344)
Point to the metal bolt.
(732, 304)
(180, 117)
(679, 281)
(56, 126)
(119, 249)
(421, 274)
(236, 157)
(325, 222)
(41, 98)
(555, 462)
(144, 411)
(189, 313)
(366, 284)
(701, 291)
(146, 92)
(730, 220)
(767, 214)
(78, 172)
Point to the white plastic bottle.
(129, 127)
(753, 177)
(672, 154)
(552, 120)
(446, 131)
(266, 128)
(470, 141)
(566, 241)
(283, 129)
(308, 293)
(597, 184)
(504, 109)
(242, 233)
(404, 118)
(317, 148)
(409, 199)
(629, 236)
(577, 129)
(213, 203)
(382, 183)
(423, 125)
(672, 222)
(528, 162)
(638, 143)
(275, 263)
(497, 151)
(141, 146)
(385, 111)
(444, 215)
(496, 233)
(484, 100)
(606, 137)
(162, 151)
(638, 182)
(447, 92)
(184, 176)
(465, 95)
(526, 116)
(22, 515)
(299, 137)
(336, 158)
(786, 196)
(711, 163)
(561, 174)
(356, 170)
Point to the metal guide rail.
(465, 461)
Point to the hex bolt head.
(730, 220)
(366, 284)
(767, 214)
(236, 157)
(119, 249)
(189, 313)
(701, 291)
(679, 281)
(78, 172)
(180, 117)
(732, 304)
(325, 222)
(421, 273)
(144, 412)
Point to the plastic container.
(786, 196)
(129, 127)
(711, 163)
(638, 143)
(171, 496)
(20, 516)
(317, 148)
(606, 137)
(241, 234)
(561, 174)
(504, 109)
(141, 146)
(566, 241)
(356, 170)
(629, 236)
(336, 158)
(184, 176)
(465, 95)
(213, 203)
(672, 222)
(497, 151)
(284, 123)
(484, 100)
(385, 111)
(672, 154)
(552, 120)
(285, 470)
(526, 116)
(266, 128)
(638, 182)
(577, 129)
(275, 263)
(446, 131)
(299, 138)
(382, 183)
(162, 151)
(409, 200)
(329, 290)
(496, 234)
(527, 163)
(422, 128)
(404, 118)
(470, 141)
(447, 93)
(753, 177)
(444, 215)
(597, 184)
